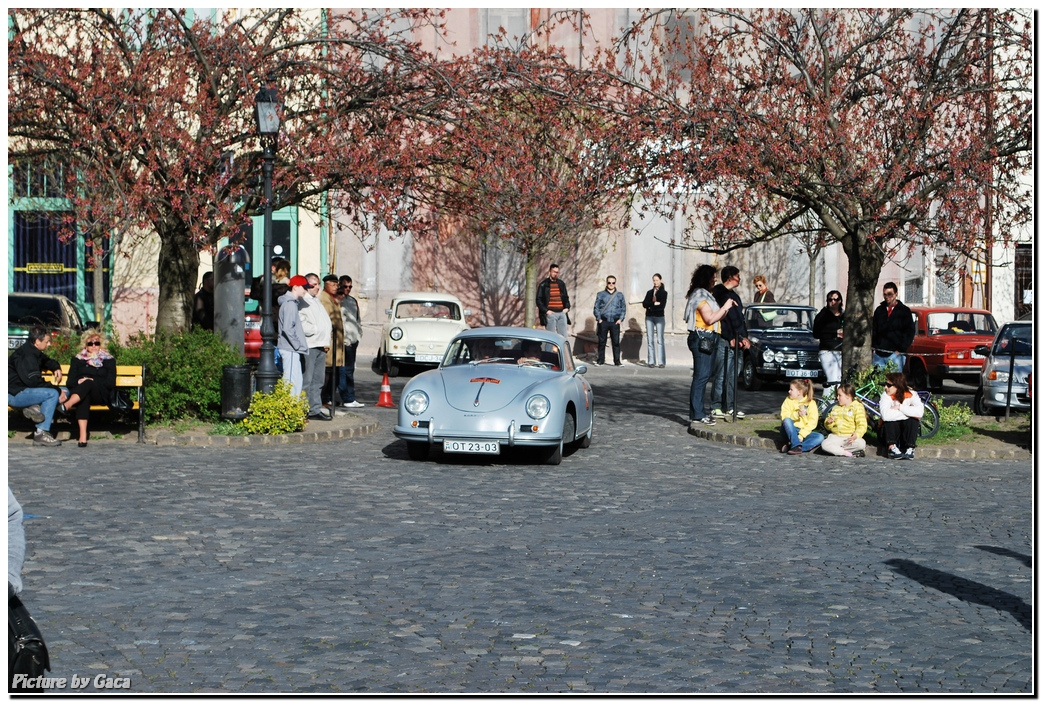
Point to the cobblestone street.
(651, 562)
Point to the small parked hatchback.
(1013, 343)
(56, 313)
(417, 331)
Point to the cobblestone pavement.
(651, 562)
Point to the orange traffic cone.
(385, 399)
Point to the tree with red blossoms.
(152, 113)
(884, 126)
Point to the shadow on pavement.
(1026, 560)
(965, 590)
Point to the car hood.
(789, 339)
(487, 387)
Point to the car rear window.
(960, 323)
(31, 311)
(426, 309)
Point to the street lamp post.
(268, 124)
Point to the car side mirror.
(467, 313)
(580, 370)
(388, 311)
(982, 349)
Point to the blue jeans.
(345, 374)
(46, 398)
(896, 358)
(702, 370)
(724, 375)
(557, 322)
(812, 441)
(656, 341)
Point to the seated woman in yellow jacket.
(847, 423)
(799, 419)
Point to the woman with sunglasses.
(827, 328)
(92, 377)
(901, 411)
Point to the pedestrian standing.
(732, 340)
(352, 333)
(202, 305)
(892, 329)
(292, 344)
(553, 303)
(827, 329)
(330, 299)
(654, 302)
(702, 315)
(608, 311)
(318, 330)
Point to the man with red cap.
(292, 343)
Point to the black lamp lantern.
(267, 115)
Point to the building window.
(1024, 279)
(946, 292)
(514, 20)
(913, 291)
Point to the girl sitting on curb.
(847, 423)
(901, 411)
(799, 419)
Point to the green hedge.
(182, 370)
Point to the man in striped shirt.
(553, 303)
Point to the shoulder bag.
(28, 652)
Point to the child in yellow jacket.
(799, 419)
(847, 423)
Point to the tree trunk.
(530, 284)
(178, 270)
(97, 265)
(865, 266)
(813, 276)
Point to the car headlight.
(768, 355)
(537, 407)
(416, 402)
(396, 333)
(998, 376)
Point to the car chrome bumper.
(514, 436)
(994, 396)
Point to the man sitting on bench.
(26, 387)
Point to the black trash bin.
(236, 391)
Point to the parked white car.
(418, 329)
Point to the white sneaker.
(717, 413)
(352, 405)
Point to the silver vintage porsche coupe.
(498, 388)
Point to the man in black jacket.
(553, 303)
(733, 339)
(26, 387)
(892, 330)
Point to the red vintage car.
(944, 345)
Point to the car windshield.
(955, 322)
(1015, 339)
(427, 309)
(782, 319)
(504, 349)
(31, 311)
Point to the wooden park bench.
(126, 377)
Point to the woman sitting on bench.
(92, 378)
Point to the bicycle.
(928, 427)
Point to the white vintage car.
(418, 329)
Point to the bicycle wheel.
(823, 410)
(930, 421)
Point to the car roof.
(430, 296)
(781, 304)
(970, 310)
(521, 332)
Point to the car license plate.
(800, 373)
(14, 343)
(428, 358)
(454, 446)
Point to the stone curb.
(710, 434)
(301, 437)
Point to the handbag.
(119, 400)
(28, 651)
(706, 342)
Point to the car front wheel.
(750, 378)
(417, 450)
(566, 437)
